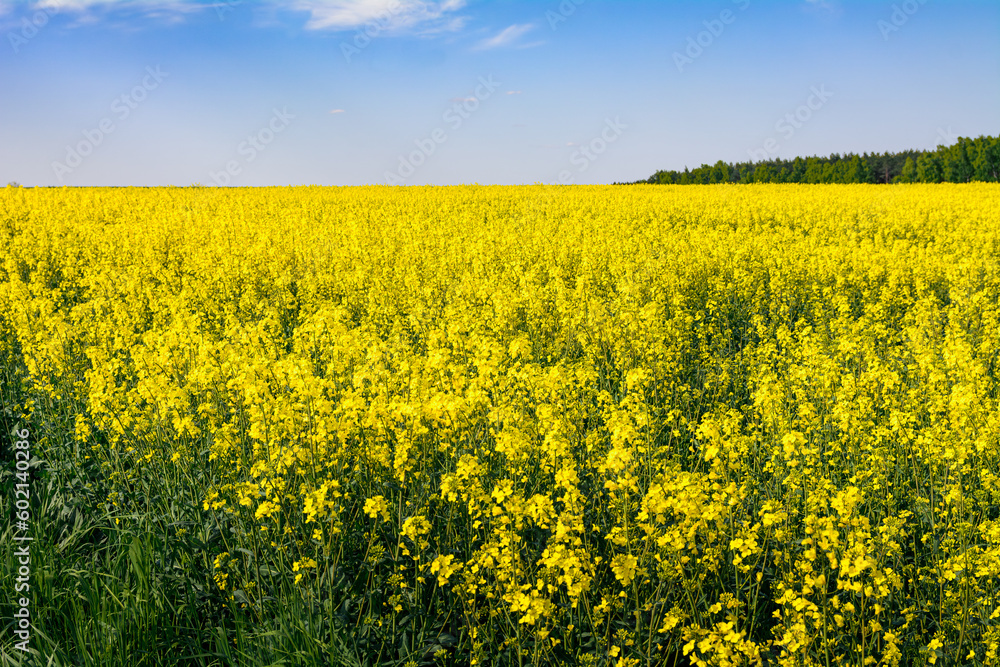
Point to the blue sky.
(347, 92)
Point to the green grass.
(132, 585)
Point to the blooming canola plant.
(734, 425)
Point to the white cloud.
(337, 111)
(388, 15)
(421, 16)
(83, 12)
(154, 6)
(506, 37)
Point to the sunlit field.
(535, 425)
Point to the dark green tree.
(814, 171)
(909, 173)
(929, 168)
(969, 159)
(763, 174)
(957, 168)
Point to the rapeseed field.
(533, 425)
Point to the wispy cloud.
(389, 15)
(149, 7)
(87, 12)
(337, 111)
(507, 37)
(420, 16)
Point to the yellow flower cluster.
(727, 425)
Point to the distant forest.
(967, 160)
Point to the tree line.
(965, 161)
